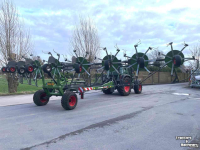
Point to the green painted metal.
(132, 61)
(169, 54)
(105, 86)
(38, 70)
(57, 88)
(54, 87)
(114, 76)
(114, 60)
(83, 61)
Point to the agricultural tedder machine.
(111, 74)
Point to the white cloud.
(155, 22)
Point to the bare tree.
(85, 38)
(195, 51)
(156, 54)
(15, 41)
(38, 59)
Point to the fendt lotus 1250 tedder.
(111, 74)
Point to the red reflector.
(80, 68)
(4, 69)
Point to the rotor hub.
(80, 65)
(177, 60)
(109, 63)
(140, 61)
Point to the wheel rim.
(22, 70)
(140, 87)
(72, 101)
(12, 69)
(42, 98)
(126, 88)
(30, 69)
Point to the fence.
(162, 77)
(157, 78)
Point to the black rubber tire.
(13, 67)
(7, 69)
(26, 68)
(40, 98)
(3, 69)
(107, 65)
(44, 68)
(177, 60)
(137, 87)
(77, 68)
(67, 99)
(18, 70)
(142, 63)
(108, 91)
(122, 90)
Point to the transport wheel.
(137, 87)
(47, 68)
(69, 100)
(29, 68)
(3, 69)
(21, 70)
(40, 98)
(124, 90)
(108, 91)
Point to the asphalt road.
(147, 121)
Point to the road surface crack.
(96, 125)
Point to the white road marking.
(185, 94)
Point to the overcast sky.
(155, 22)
